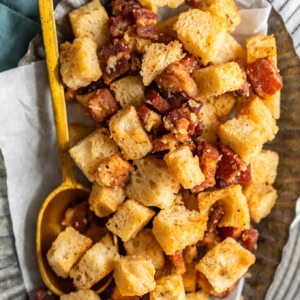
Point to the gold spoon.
(70, 191)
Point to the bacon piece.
(165, 142)
(113, 60)
(44, 294)
(209, 182)
(145, 21)
(173, 117)
(114, 172)
(118, 26)
(101, 105)
(215, 216)
(164, 39)
(125, 8)
(157, 101)
(249, 238)
(178, 262)
(70, 95)
(264, 77)
(194, 106)
(225, 232)
(190, 63)
(193, 3)
(150, 118)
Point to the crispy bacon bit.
(190, 63)
(178, 262)
(145, 21)
(209, 182)
(114, 172)
(264, 77)
(158, 102)
(70, 95)
(173, 117)
(194, 106)
(249, 238)
(101, 105)
(44, 294)
(244, 90)
(113, 59)
(124, 8)
(225, 232)
(165, 142)
(118, 26)
(151, 119)
(164, 39)
(215, 216)
(193, 3)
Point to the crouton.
(105, 200)
(166, 27)
(225, 264)
(168, 287)
(190, 278)
(66, 250)
(129, 91)
(145, 244)
(78, 63)
(190, 253)
(91, 151)
(273, 104)
(130, 218)
(157, 57)
(128, 132)
(155, 4)
(81, 295)
(177, 227)
(184, 167)
(95, 264)
(217, 80)
(243, 136)
(152, 184)
(235, 204)
(200, 295)
(261, 198)
(77, 132)
(116, 295)
(201, 34)
(90, 21)
(134, 275)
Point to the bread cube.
(90, 21)
(168, 287)
(157, 57)
(184, 167)
(200, 295)
(155, 4)
(166, 27)
(201, 34)
(217, 80)
(128, 132)
(261, 198)
(152, 184)
(145, 244)
(105, 200)
(79, 63)
(177, 227)
(77, 132)
(116, 295)
(264, 167)
(66, 250)
(130, 218)
(134, 275)
(225, 264)
(129, 91)
(273, 104)
(190, 278)
(243, 136)
(91, 151)
(81, 295)
(235, 204)
(95, 264)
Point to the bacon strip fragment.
(118, 26)
(145, 21)
(125, 8)
(151, 120)
(190, 63)
(158, 102)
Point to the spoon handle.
(57, 92)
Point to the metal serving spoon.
(70, 191)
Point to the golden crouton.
(95, 264)
(273, 104)
(134, 275)
(79, 63)
(184, 167)
(152, 184)
(128, 132)
(235, 204)
(91, 21)
(66, 250)
(261, 198)
(166, 27)
(81, 295)
(145, 244)
(155, 4)
(217, 80)
(177, 227)
(91, 151)
(157, 57)
(200, 295)
(129, 91)
(225, 264)
(201, 34)
(105, 200)
(77, 132)
(130, 218)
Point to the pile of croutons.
(175, 179)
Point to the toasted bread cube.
(201, 34)
(128, 132)
(200, 295)
(152, 184)
(217, 80)
(168, 287)
(235, 204)
(81, 295)
(190, 278)
(157, 57)
(261, 198)
(145, 244)
(66, 250)
(78, 132)
(79, 63)
(166, 27)
(134, 275)
(177, 227)
(184, 167)
(91, 21)
(95, 264)
(243, 136)
(155, 4)
(130, 218)
(273, 104)
(91, 151)
(105, 200)
(116, 295)
(129, 91)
